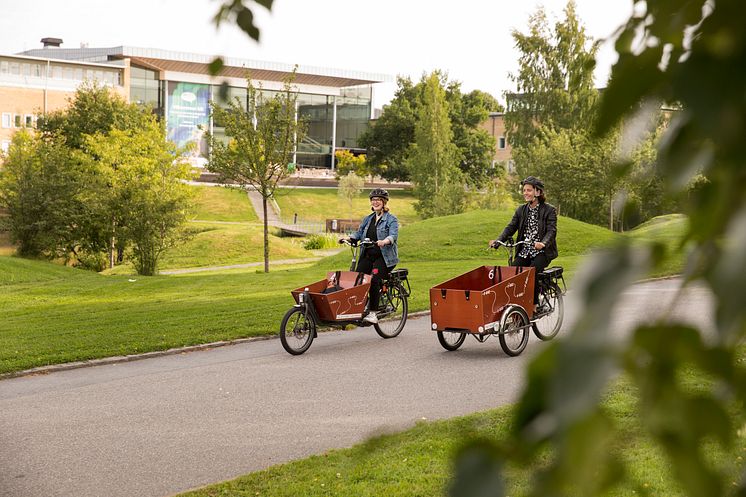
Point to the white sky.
(469, 39)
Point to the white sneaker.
(371, 318)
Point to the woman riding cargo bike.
(372, 292)
(507, 300)
(536, 224)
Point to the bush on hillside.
(320, 241)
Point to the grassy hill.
(318, 204)
(54, 314)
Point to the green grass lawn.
(319, 204)
(54, 314)
(418, 461)
(216, 203)
(222, 245)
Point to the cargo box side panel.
(346, 304)
(516, 287)
(451, 309)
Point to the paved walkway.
(274, 220)
(318, 254)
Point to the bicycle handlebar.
(354, 243)
(508, 244)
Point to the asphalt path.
(159, 426)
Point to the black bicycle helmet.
(533, 181)
(380, 193)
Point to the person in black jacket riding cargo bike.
(536, 224)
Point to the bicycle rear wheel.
(548, 325)
(515, 333)
(297, 331)
(393, 312)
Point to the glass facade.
(317, 111)
(315, 150)
(353, 114)
(146, 89)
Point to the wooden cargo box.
(474, 301)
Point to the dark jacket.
(547, 227)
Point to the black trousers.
(378, 269)
(540, 262)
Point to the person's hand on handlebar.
(494, 243)
(344, 239)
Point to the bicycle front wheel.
(515, 334)
(297, 331)
(451, 340)
(549, 323)
(392, 314)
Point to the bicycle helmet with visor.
(380, 193)
(533, 181)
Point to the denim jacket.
(387, 227)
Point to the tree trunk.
(611, 213)
(111, 244)
(266, 235)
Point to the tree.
(347, 162)
(433, 157)
(554, 84)
(144, 190)
(576, 170)
(388, 140)
(261, 144)
(40, 185)
(548, 119)
(350, 187)
(95, 108)
(693, 53)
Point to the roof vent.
(51, 42)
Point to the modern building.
(32, 86)
(335, 103)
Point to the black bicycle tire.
(283, 338)
(560, 308)
(512, 352)
(451, 346)
(403, 321)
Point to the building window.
(17, 122)
(29, 120)
(7, 120)
(501, 143)
(511, 166)
(4, 146)
(4, 67)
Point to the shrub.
(320, 241)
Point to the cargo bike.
(498, 300)
(341, 299)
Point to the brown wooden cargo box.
(475, 300)
(343, 305)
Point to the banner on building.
(188, 115)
